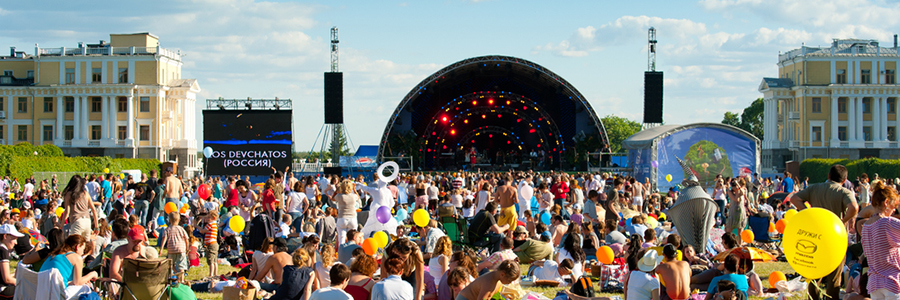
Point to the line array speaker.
(653, 97)
(334, 98)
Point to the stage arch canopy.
(505, 107)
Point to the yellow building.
(834, 102)
(122, 98)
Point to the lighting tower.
(651, 44)
(334, 49)
(334, 130)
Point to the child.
(210, 239)
(176, 245)
(284, 228)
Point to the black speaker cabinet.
(334, 98)
(653, 97)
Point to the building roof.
(645, 138)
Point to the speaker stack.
(653, 97)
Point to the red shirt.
(560, 190)
(268, 200)
(232, 197)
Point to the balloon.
(203, 191)
(420, 217)
(651, 223)
(775, 277)
(605, 255)
(122, 176)
(381, 239)
(790, 213)
(161, 221)
(402, 215)
(236, 223)
(747, 236)
(668, 177)
(655, 164)
(105, 170)
(771, 227)
(59, 212)
(815, 242)
(207, 151)
(170, 207)
(662, 216)
(383, 214)
(369, 246)
(184, 209)
(545, 218)
(780, 225)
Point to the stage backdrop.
(247, 142)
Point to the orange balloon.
(747, 236)
(605, 255)
(170, 207)
(780, 225)
(369, 246)
(771, 227)
(775, 277)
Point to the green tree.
(618, 129)
(340, 142)
(751, 119)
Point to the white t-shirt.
(323, 273)
(457, 200)
(640, 286)
(29, 190)
(578, 270)
(296, 202)
(330, 293)
(550, 271)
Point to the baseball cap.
(521, 229)
(137, 233)
(10, 229)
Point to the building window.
(23, 104)
(48, 132)
(816, 105)
(145, 132)
(69, 132)
(145, 104)
(123, 75)
(867, 133)
(841, 76)
(866, 77)
(122, 104)
(22, 132)
(867, 105)
(889, 77)
(70, 76)
(122, 132)
(816, 134)
(7, 73)
(891, 105)
(29, 74)
(2, 132)
(842, 133)
(96, 104)
(842, 105)
(892, 133)
(48, 104)
(96, 75)
(95, 132)
(2, 107)
(70, 104)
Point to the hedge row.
(20, 161)
(817, 168)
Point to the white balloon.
(208, 151)
(393, 175)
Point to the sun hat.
(649, 262)
(10, 229)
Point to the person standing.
(830, 195)
(506, 194)
(79, 211)
(881, 240)
(174, 187)
(525, 193)
(787, 185)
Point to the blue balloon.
(545, 218)
(161, 221)
(402, 214)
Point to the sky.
(714, 52)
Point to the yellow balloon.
(236, 224)
(668, 177)
(59, 212)
(122, 176)
(106, 170)
(815, 242)
(420, 217)
(651, 223)
(662, 216)
(381, 239)
(788, 214)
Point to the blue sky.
(714, 52)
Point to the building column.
(859, 119)
(129, 127)
(882, 115)
(876, 119)
(857, 76)
(835, 142)
(60, 128)
(76, 116)
(851, 119)
(104, 119)
(833, 71)
(85, 107)
(113, 116)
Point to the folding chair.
(760, 228)
(144, 279)
(467, 241)
(451, 227)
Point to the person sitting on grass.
(553, 271)
(340, 277)
(274, 264)
(731, 268)
(496, 258)
(483, 287)
(298, 280)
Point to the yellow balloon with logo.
(815, 242)
(789, 214)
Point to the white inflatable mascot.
(381, 196)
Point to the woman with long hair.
(414, 268)
(297, 281)
(571, 249)
(323, 267)
(268, 199)
(79, 211)
(361, 283)
(737, 213)
(67, 260)
(347, 201)
(312, 190)
(440, 258)
(881, 242)
(260, 256)
(483, 197)
(38, 255)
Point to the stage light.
(433, 133)
(474, 102)
(490, 135)
(499, 116)
(531, 131)
(445, 147)
(518, 120)
(491, 101)
(483, 116)
(507, 102)
(444, 119)
(525, 107)
(452, 131)
(508, 142)
(466, 121)
(539, 145)
(473, 141)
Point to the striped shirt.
(176, 239)
(212, 230)
(881, 244)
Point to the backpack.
(583, 287)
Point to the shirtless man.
(484, 285)
(675, 274)
(275, 264)
(174, 187)
(638, 192)
(507, 195)
(134, 249)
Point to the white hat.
(10, 229)
(649, 262)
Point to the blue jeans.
(141, 209)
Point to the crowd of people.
(304, 237)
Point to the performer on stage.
(472, 154)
